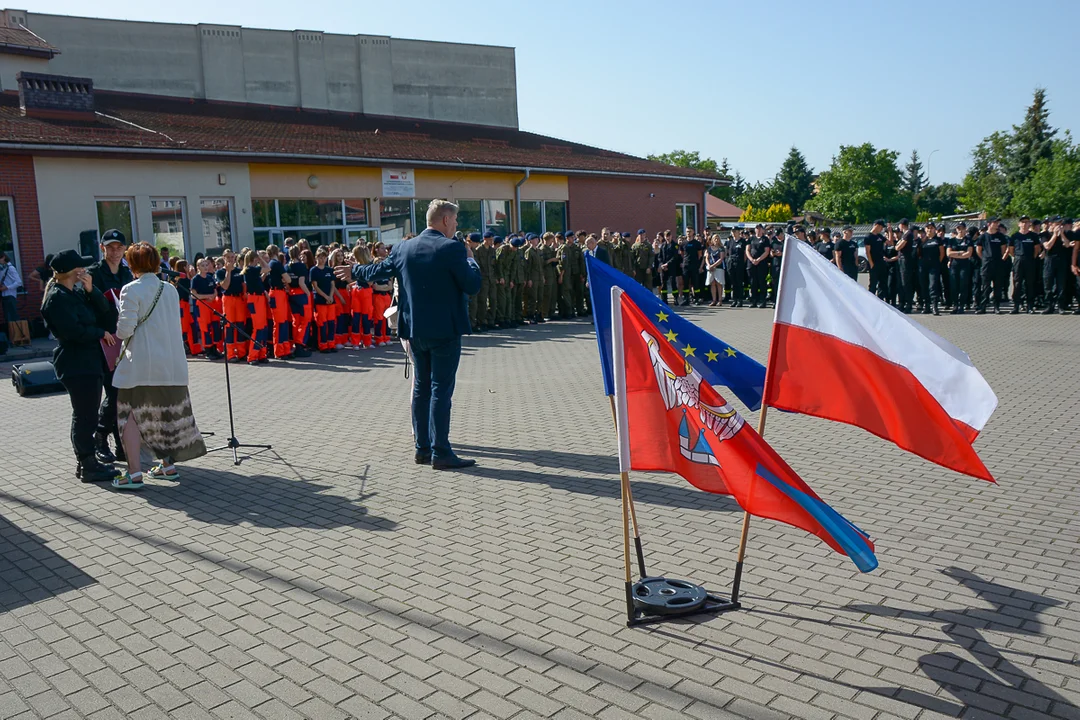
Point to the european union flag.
(719, 363)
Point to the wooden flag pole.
(629, 493)
(625, 484)
(745, 524)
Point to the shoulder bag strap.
(144, 318)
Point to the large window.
(469, 217)
(167, 224)
(532, 216)
(115, 214)
(420, 207)
(496, 216)
(685, 218)
(320, 222)
(9, 242)
(554, 216)
(396, 219)
(217, 224)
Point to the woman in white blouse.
(153, 405)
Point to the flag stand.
(635, 615)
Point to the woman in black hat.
(76, 313)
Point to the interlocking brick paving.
(333, 578)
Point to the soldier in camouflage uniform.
(642, 258)
(473, 240)
(620, 254)
(517, 275)
(550, 256)
(566, 278)
(534, 279)
(577, 272)
(502, 282)
(485, 299)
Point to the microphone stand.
(232, 444)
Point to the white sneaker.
(338, 347)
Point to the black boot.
(101, 448)
(89, 470)
(935, 307)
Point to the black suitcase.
(34, 378)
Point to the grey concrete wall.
(372, 74)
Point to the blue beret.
(498, 239)
(626, 235)
(531, 236)
(474, 237)
(517, 242)
(489, 234)
(641, 231)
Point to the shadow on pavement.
(30, 571)
(645, 491)
(220, 497)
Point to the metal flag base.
(675, 599)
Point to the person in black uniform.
(889, 287)
(736, 270)
(669, 262)
(757, 258)
(776, 257)
(109, 275)
(1038, 227)
(930, 254)
(846, 252)
(959, 251)
(875, 256)
(1056, 265)
(1026, 247)
(77, 315)
(992, 251)
(693, 251)
(909, 265)
(827, 246)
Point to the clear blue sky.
(743, 80)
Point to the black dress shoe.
(451, 463)
(102, 451)
(423, 458)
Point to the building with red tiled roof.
(199, 166)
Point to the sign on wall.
(398, 183)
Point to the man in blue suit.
(435, 274)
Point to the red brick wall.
(624, 204)
(17, 182)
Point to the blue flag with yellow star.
(719, 363)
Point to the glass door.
(364, 235)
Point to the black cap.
(881, 222)
(1036, 221)
(960, 224)
(993, 220)
(928, 225)
(848, 227)
(112, 236)
(68, 260)
(904, 221)
(1056, 218)
(1067, 221)
(1024, 217)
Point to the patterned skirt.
(165, 419)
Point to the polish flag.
(840, 353)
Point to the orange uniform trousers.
(281, 321)
(380, 302)
(259, 314)
(325, 319)
(362, 308)
(301, 310)
(236, 312)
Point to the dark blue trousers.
(436, 364)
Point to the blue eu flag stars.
(718, 363)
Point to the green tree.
(794, 184)
(986, 186)
(1054, 185)
(861, 184)
(692, 159)
(760, 195)
(914, 177)
(1032, 141)
(938, 200)
(738, 185)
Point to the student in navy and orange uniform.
(299, 300)
(204, 288)
(361, 296)
(231, 281)
(381, 301)
(277, 297)
(342, 305)
(257, 306)
(189, 323)
(322, 283)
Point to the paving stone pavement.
(333, 578)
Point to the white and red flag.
(840, 353)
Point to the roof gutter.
(705, 208)
(336, 159)
(517, 199)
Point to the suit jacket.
(435, 279)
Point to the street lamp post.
(928, 165)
